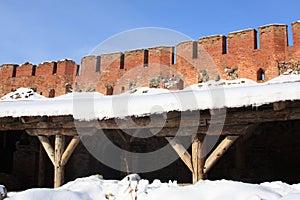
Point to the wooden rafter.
(48, 147)
(219, 151)
(69, 150)
(181, 151)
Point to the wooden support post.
(219, 152)
(58, 168)
(181, 151)
(58, 157)
(198, 159)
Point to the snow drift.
(134, 188)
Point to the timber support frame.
(198, 163)
(58, 155)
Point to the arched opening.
(69, 88)
(180, 84)
(109, 90)
(52, 93)
(260, 75)
(122, 89)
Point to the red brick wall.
(43, 77)
(217, 55)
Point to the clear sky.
(40, 30)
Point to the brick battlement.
(257, 55)
(48, 78)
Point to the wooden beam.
(69, 150)
(48, 147)
(234, 117)
(277, 106)
(198, 159)
(49, 132)
(219, 152)
(28, 120)
(58, 168)
(159, 132)
(181, 151)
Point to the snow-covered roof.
(210, 95)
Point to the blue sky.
(40, 30)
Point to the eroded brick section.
(291, 67)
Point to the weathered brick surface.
(43, 78)
(239, 55)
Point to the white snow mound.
(133, 187)
(22, 94)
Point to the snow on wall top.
(22, 94)
(88, 106)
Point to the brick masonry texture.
(238, 55)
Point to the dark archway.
(109, 90)
(19, 160)
(261, 75)
(52, 93)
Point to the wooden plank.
(225, 130)
(181, 151)
(165, 132)
(49, 132)
(62, 118)
(48, 147)
(69, 150)
(28, 120)
(219, 152)
(198, 159)
(5, 120)
(58, 168)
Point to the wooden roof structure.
(233, 123)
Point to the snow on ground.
(134, 188)
(21, 94)
(2, 192)
(210, 95)
(285, 79)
